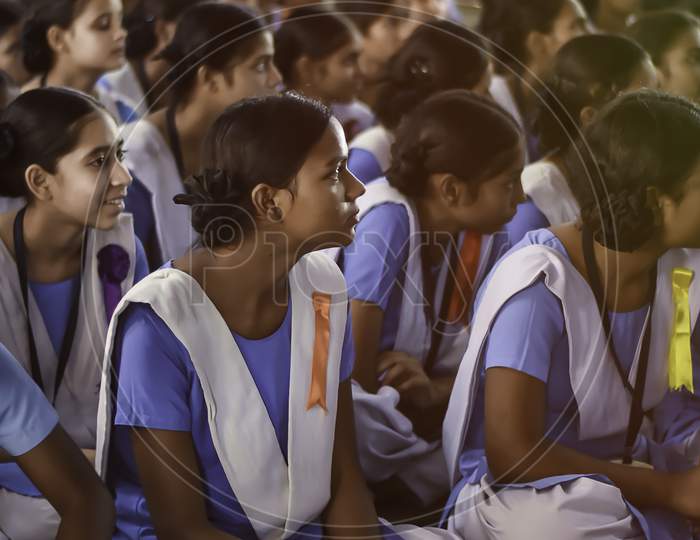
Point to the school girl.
(72, 43)
(613, 15)
(672, 38)
(525, 38)
(380, 25)
(438, 56)
(11, 14)
(233, 414)
(139, 87)
(317, 52)
(427, 235)
(580, 334)
(588, 72)
(66, 259)
(219, 54)
(30, 436)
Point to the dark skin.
(62, 474)
(516, 447)
(243, 281)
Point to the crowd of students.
(349, 269)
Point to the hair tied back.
(7, 140)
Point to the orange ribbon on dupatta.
(317, 390)
(465, 275)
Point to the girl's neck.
(192, 122)
(64, 75)
(53, 244)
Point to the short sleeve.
(26, 417)
(373, 263)
(526, 331)
(154, 379)
(347, 360)
(527, 218)
(364, 165)
(141, 270)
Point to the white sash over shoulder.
(278, 497)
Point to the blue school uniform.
(26, 418)
(529, 335)
(54, 301)
(159, 389)
(364, 165)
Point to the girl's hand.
(685, 494)
(406, 374)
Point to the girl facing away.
(563, 422)
(67, 256)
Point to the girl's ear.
(451, 189)
(586, 115)
(38, 182)
(164, 32)
(660, 205)
(55, 37)
(271, 204)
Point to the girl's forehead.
(94, 8)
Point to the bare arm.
(60, 471)
(517, 450)
(367, 321)
(350, 512)
(171, 481)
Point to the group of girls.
(448, 280)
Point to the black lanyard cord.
(67, 343)
(637, 413)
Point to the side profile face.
(322, 210)
(680, 216)
(571, 22)
(679, 72)
(96, 39)
(90, 182)
(338, 77)
(253, 76)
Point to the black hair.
(38, 55)
(208, 34)
(11, 14)
(236, 158)
(310, 31)
(455, 132)
(588, 71)
(438, 56)
(40, 127)
(641, 140)
(364, 13)
(657, 31)
(507, 23)
(140, 22)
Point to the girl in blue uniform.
(66, 257)
(30, 436)
(220, 54)
(233, 414)
(563, 421)
(438, 56)
(428, 234)
(588, 72)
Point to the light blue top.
(364, 165)
(159, 389)
(26, 418)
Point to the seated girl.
(574, 350)
(428, 234)
(588, 72)
(66, 259)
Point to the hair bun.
(7, 140)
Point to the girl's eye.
(262, 66)
(120, 154)
(99, 161)
(103, 23)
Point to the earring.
(274, 214)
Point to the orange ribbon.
(317, 390)
(465, 275)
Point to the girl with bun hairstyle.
(438, 56)
(561, 422)
(140, 85)
(525, 36)
(230, 411)
(66, 258)
(588, 72)
(428, 233)
(317, 52)
(72, 43)
(220, 54)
